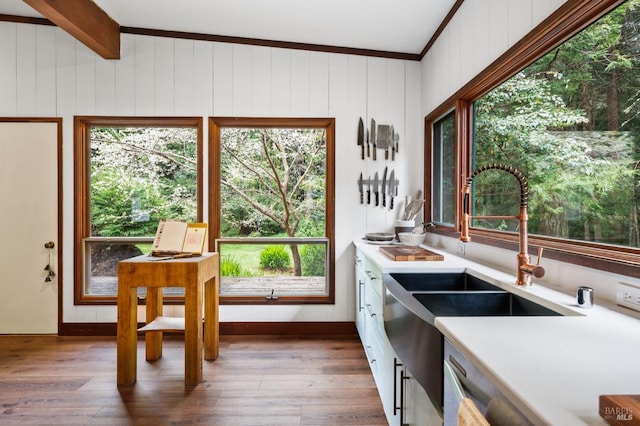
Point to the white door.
(28, 221)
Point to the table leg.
(153, 339)
(211, 329)
(127, 335)
(193, 332)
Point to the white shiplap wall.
(45, 72)
(478, 34)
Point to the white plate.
(381, 243)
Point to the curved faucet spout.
(525, 268)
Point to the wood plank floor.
(256, 380)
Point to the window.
(130, 174)
(561, 106)
(569, 122)
(271, 211)
(444, 171)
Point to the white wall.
(479, 33)
(45, 72)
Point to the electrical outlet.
(628, 296)
(460, 249)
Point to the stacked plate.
(379, 238)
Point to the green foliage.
(275, 258)
(140, 176)
(231, 267)
(313, 260)
(558, 123)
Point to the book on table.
(179, 239)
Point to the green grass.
(248, 255)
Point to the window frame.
(569, 19)
(215, 202)
(82, 181)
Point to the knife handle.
(362, 151)
(368, 196)
(361, 198)
(391, 203)
(368, 150)
(377, 197)
(393, 153)
(386, 153)
(374, 152)
(384, 199)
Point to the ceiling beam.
(85, 21)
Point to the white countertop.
(552, 368)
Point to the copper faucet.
(525, 268)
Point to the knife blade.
(369, 191)
(361, 137)
(384, 187)
(392, 188)
(368, 146)
(360, 183)
(383, 139)
(375, 188)
(373, 137)
(396, 141)
(392, 138)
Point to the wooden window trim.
(81, 199)
(215, 124)
(570, 18)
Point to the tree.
(140, 176)
(273, 180)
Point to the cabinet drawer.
(374, 276)
(373, 311)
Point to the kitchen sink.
(474, 304)
(445, 281)
(412, 303)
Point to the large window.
(569, 122)
(562, 107)
(130, 174)
(272, 209)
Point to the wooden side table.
(197, 275)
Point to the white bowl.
(411, 239)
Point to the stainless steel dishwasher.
(463, 380)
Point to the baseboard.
(227, 328)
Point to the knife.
(361, 189)
(373, 138)
(368, 146)
(361, 137)
(396, 140)
(383, 138)
(392, 188)
(392, 138)
(384, 187)
(375, 188)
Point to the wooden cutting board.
(408, 253)
(620, 410)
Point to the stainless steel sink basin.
(445, 281)
(476, 304)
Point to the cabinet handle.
(371, 313)
(360, 285)
(370, 355)
(370, 275)
(396, 364)
(397, 408)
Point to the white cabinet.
(403, 399)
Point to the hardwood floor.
(256, 380)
